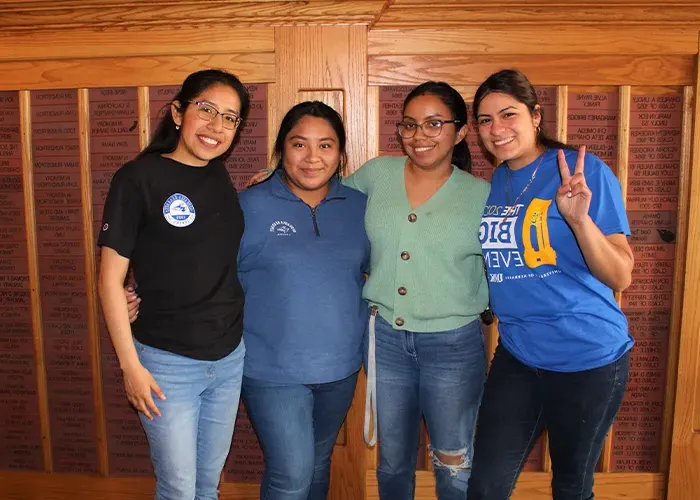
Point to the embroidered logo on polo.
(282, 228)
(178, 210)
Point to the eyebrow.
(500, 111)
(306, 138)
(229, 110)
(434, 115)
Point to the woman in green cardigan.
(426, 290)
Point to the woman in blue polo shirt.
(301, 263)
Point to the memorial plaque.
(652, 204)
(57, 188)
(114, 127)
(592, 121)
(20, 428)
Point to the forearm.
(610, 263)
(116, 316)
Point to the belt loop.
(370, 431)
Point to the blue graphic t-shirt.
(553, 313)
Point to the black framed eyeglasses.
(208, 112)
(430, 128)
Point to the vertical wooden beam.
(144, 99)
(25, 116)
(684, 480)
(91, 280)
(674, 338)
(562, 113)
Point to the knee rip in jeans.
(454, 461)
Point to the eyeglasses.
(430, 128)
(208, 112)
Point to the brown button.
(399, 321)
(405, 255)
(402, 290)
(412, 217)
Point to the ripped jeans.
(439, 375)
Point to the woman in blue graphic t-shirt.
(555, 245)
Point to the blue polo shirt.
(302, 273)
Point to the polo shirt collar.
(280, 189)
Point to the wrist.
(579, 224)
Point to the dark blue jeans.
(297, 426)
(519, 402)
(439, 375)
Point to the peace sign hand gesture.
(573, 196)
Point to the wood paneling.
(533, 40)
(170, 41)
(33, 265)
(39, 486)
(508, 14)
(102, 72)
(70, 14)
(542, 70)
(536, 486)
(685, 451)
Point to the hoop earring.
(537, 130)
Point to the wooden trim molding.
(33, 15)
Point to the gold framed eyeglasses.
(208, 112)
(430, 128)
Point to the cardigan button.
(412, 217)
(402, 290)
(399, 321)
(405, 255)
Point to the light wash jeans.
(437, 375)
(189, 442)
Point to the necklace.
(511, 210)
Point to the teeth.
(503, 141)
(426, 148)
(209, 140)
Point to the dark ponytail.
(167, 136)
(461, 157)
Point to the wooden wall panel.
(533, 41)
(542, 69)
(101, 72)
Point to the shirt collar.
(280, 189)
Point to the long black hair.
(515, 84)
(167, 136)
(461, 157)
(316, 109)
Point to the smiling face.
(508, 129)
(202, 140)
(310, 158)
(431, 152)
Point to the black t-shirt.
(181, 227)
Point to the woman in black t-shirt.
(172, 214)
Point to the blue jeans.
(189, 442)
(297, 426)
(576, 408)
(439, 375)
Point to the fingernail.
(568, 195)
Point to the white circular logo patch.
(178, 210)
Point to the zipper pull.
(373, 310)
